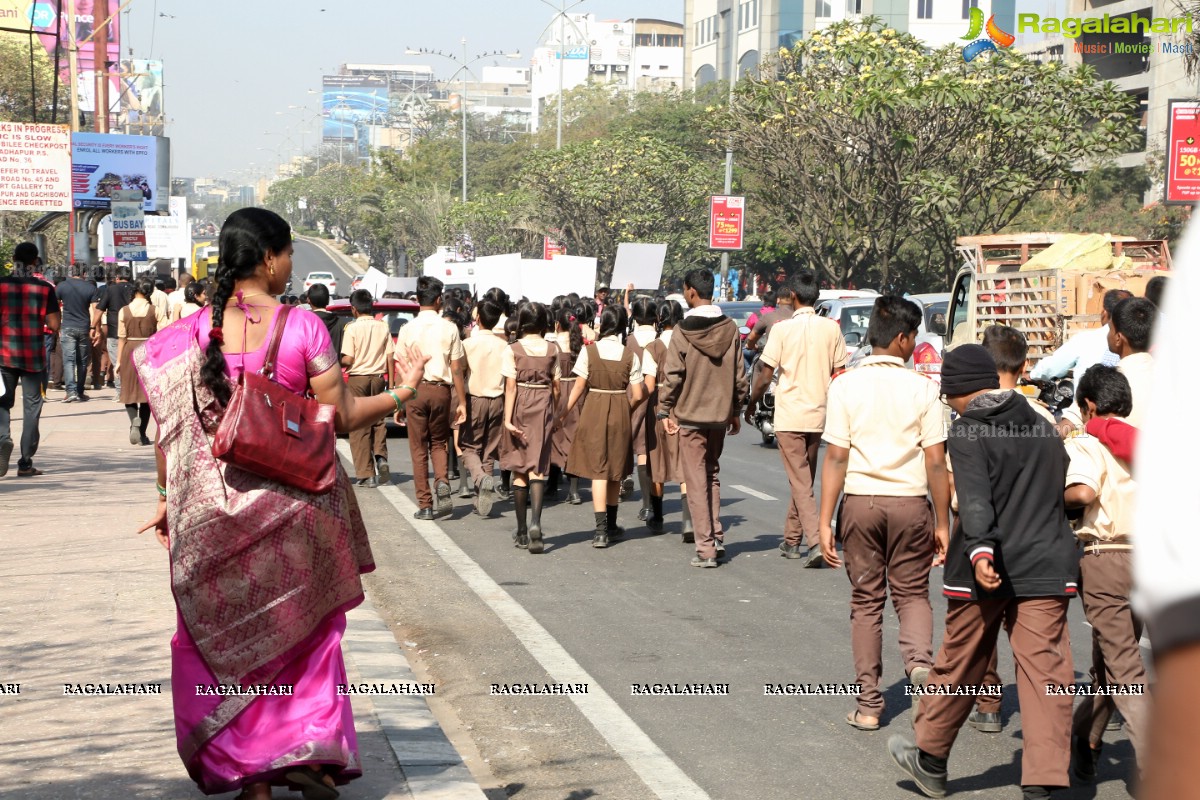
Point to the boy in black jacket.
(1011, 562)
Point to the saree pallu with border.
(262, 576)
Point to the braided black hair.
(670, 314)
(247, 237)
(567, 319)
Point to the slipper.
(852, 721)
(311, 785)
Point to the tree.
(499, 223)
(627, 188)
(863, 141)
(19, 85)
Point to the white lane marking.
(652, 765)
(752, 492)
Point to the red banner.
(726, 222)
(1182, 183)
(552, 248)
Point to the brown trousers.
(887, 544)
(1037, 631)
(799, 452)
(699, 456)
(428, 416)
(365, 443)
(988, 703)
(480, 436)
(1107, 579)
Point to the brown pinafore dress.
(533, 412)
(641, 432)
(664, 449)
(601, 449)
(564, 436)
(137, 330)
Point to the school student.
(1010, 563)
(602, 449)
(643, 312)
(1010, 350)
(1102, 486)
(569, 338)
(530, 370)
(1129, 337)
(663, 457)
(481, 433)
(884, 446)
(367, 357)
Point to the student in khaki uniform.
(805, 350)
(1129, 337)
(367, 357)
(481, 434)
(1102, 486)
(884, 440)
(429, 414)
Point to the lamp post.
(562, 10)
(308, 116)
(464, 67)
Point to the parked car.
(853, 314)
(739, 312)
(321, 277)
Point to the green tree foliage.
(499, 223)
(862, 141)
(18, 87)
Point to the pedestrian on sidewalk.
(138, 321)
(195, 297)
(483, 430)
(430, 415)
(664, 449)
(1129, 336)
(117, 294)
(602, 449)
(644, 315)
(884, 445)
(1102, 486)
(804, 351)
(28, 307)
(367, 355)
(101, 369)
(530, 369)
(75, 294)
(1011, 563)
(702, 388)
(250, 555)
(569, 338)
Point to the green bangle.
(396, 397)
(162, 490)
(411, 389)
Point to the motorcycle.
(1056, 395)
(764, 415)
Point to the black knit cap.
(967, 369)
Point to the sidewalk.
(83, 599)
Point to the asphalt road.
(310, 258)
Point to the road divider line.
(656, 769)
(752, 492)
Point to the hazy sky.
(230, 66)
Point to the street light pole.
(562, 10)
(729, 145)
(462, 100)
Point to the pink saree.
(262, 576)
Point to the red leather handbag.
(276, 434)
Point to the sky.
(230, 66)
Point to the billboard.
(35, 167)
(726, 222)
(141, 99)
(129, 225)
(350, 105)
(102, 163)
(1182, 182)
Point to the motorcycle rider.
(806, 350)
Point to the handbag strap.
(268, 368)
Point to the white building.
(633, 54)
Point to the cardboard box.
(1131, 280)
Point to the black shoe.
(465, 492)
(707, 563)
(574, 499)
(521, 539)
(83, 398)
(383, 470)
(145, 441)
(615, 533)
(536, 545)
(655, 524)
(789, 550)
(1084, 758)
(985, 721)
(486, 497)
(368, 483)
(6, 450)
(907, 757)
(626, 488)
(424, 514)
(1035, 793)
(600, 540)
(689, 537)
(814, 559)
(443, 503)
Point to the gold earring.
(272, 271)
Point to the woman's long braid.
(213, 372)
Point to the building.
(501, 95)
(630, 55)
(742, 32)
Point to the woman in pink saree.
(262, 573)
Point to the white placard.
(639, 264)
(502, 271)
(169, 236)
(404, 286)
(542, 280)
(374, 282)
(35, 167)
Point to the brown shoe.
(28, 472)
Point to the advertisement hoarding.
(129, 225)
(552, 248)
(141, 99)
(726, 222)
(35, 167)
(1182, 184)
(351, 104)
(102, 163)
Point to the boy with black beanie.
(1011, 562)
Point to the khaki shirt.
(437, 337)
(885, 415)
(805, 350)
(1138, 369)
(369, 342)
(610, 349)
(1109, 518)
(483, 360)
(532, 345)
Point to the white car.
(321, 277)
